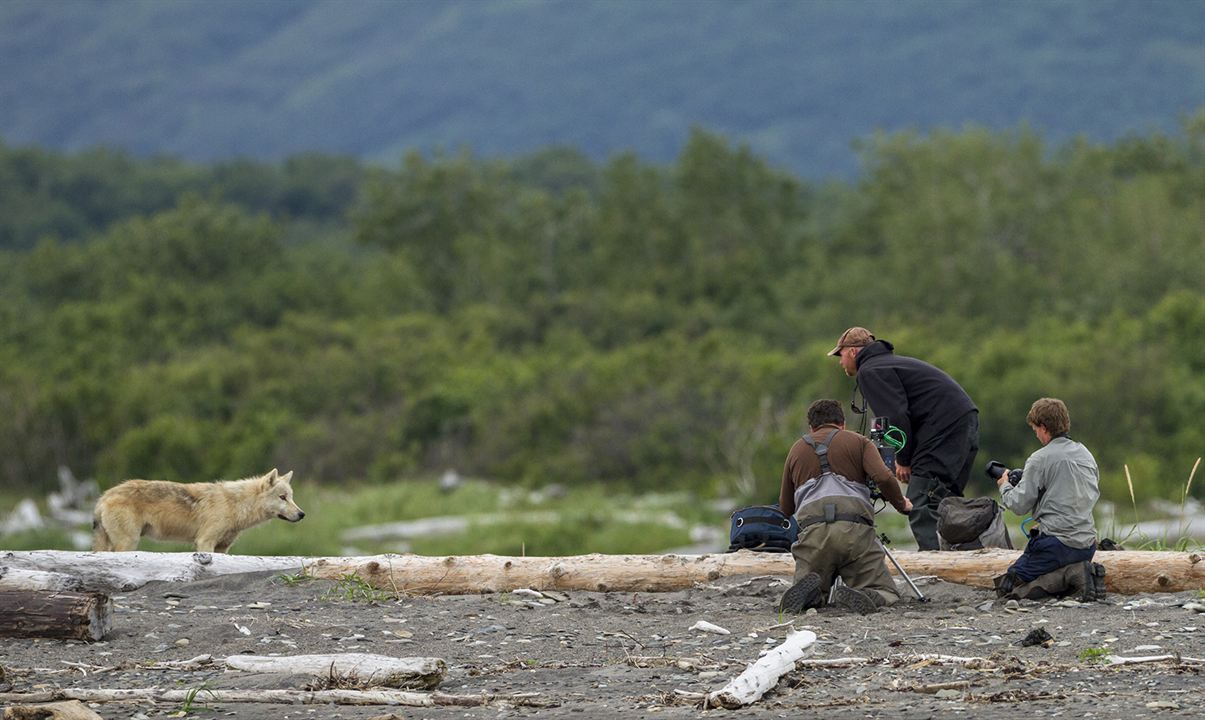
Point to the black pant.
(941, 466)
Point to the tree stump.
(67, 615)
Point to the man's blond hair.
(1050, 413)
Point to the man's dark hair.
(825, 412)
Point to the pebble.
(965, 610)
(1012, 605)
(1148, 648)
(949, 694)
(182, 642)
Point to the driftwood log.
(414, 673)
(66, 710)
(1128, 572)
(281, 697)
(67, 615)
(748, 687)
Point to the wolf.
(208, 514)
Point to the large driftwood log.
(280, 697)
(414, 673)
(1128, 572)
(748, 687)
(74, 616)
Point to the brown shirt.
(849, 454)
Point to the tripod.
(882, 541)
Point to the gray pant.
(849, 550)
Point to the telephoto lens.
(995, 469)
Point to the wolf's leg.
(122, 531)
(100, 538)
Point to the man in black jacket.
(937, 416)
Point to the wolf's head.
(277, 496)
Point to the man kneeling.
(1059, 487)
(824, 485)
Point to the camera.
(995, 469)
(878, 434)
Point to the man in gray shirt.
(1059, 487)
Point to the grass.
(352, 588)
(1094, 655)
(513, 522)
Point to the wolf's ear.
(272, 474)
(287, 477)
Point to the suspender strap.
(822, 449)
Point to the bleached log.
(113, 572)
(67, 710)
(74, 616)
(748, 687)
(423, 673)
(1127, 571)
(13, 578)
(278, 697)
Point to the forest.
(554, 319)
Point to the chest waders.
(831, 514)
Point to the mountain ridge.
(798, 82)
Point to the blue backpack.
(762, 528)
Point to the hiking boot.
(1096, 576)
(859, 601)
(802, 595)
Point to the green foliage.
(622, 326)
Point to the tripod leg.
(919, 595)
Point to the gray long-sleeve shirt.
(1059, 487)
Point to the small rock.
(182, 642)
(1012, 605)
(1163, 705)
(965, 610)
(949, 694)
(1195, 607)
(1147, 648)
(259, 605)
(985, 607)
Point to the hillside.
(797, 81)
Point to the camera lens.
(995, 469)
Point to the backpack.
(762, 528)
(971, 524)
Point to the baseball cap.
(853, 337)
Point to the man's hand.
(903, 472)
(1003, 480)
(907, 507)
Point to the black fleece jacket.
(920, 399)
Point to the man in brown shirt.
(824, 485)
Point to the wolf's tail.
(100, 538)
